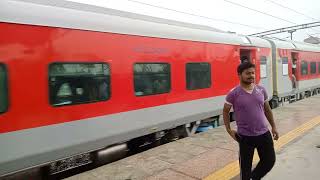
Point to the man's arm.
(269, 115)
(226, 119)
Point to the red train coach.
(77, 78)
(307, 57)
(295, 69)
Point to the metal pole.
(291, 32)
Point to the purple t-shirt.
(249, 110)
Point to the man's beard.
(248, 81)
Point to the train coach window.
(151, 78)
(319, 67)
(263, 67)
(285, 66)
(304, 68)
(198, 75)
(77, 83)
(313, 67)
(3, 89)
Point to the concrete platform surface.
(299, 159)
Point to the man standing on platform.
(252, 112)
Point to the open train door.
(294, 75)
(248, 54)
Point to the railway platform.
(300, 159)
(214, 155)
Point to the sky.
(239, 16)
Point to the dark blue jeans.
(264, 145)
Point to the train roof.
(67, 14)
(74, 15)
(281, 44)
(294, 45)
(256, 41)
(307, 47)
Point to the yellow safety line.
(232, 169)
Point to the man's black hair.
(243, 66)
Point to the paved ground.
(300, 160)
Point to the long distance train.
(78, 78)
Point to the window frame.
(315, 63)
(266, 64)
(301, 63)
(210, 74)
(79, 62)
(169, 79)
(6, 88)
(287, 60)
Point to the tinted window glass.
(313, 67)
(304, 68)
(3, 89)
(198, 75)
(76, 83)
(151, 78)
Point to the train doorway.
(245, 55)
(294, 57)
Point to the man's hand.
(275, 133)
(233, 133)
